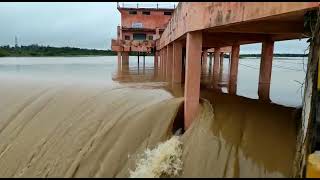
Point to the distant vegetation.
(37, 50)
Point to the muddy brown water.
(73, 128)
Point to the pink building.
(140, 28)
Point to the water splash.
(162, 161)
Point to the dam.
(177, 72)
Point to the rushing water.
(84, 117)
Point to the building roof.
(145, 9)
(149, 7)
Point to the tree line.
(38, 50)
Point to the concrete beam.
(193, 16)
(222, 39)
(177, 62)
(264, 27)
(265, 70)
(192, 78)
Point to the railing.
(144, 5)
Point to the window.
(150, 37)
(132, 12)
(146, 12)
(167, 13)
(138, 36)
(126, 37)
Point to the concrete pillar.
(221, 58)
(125, 62)
(265, 70)
(210, 63)
(164, 63)
(216, 68)
(177, 62)
(144, 63)
(156, 59)
(119, 61)
(155, 62)
(192, 78)
(204, 60)
(233, 73)
(169, 63)
(138, 62)
(221, 67)
(160, 63)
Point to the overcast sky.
(81, 24)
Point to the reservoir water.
(85, 117)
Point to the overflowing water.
(84, 117)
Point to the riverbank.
(48, 51)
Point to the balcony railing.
(144, 5)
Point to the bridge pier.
(204, 60)
(192, 78)
(156, 63)
(265, 70)
(164, 63)
(233, 73)
(161, 63)
(144, 63)
(119, 61)
(221, 58)
(177, 62)
(216, 68)
(221, 68)
(169, 63)
(125, 61)
(210, 63)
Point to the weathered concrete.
(151, 25)
(221, 58)
(156, 62)
(204, 60)
(164, 73)
(238, 17)
(125, 61)
(169, 65)
(177, 62)
(192, 80)
(156, 19)
(119, 61)
(265, 70)
(233, 74)
(210, 63)
(216, 69)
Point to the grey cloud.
(81, 24)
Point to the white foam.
(163, 160)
